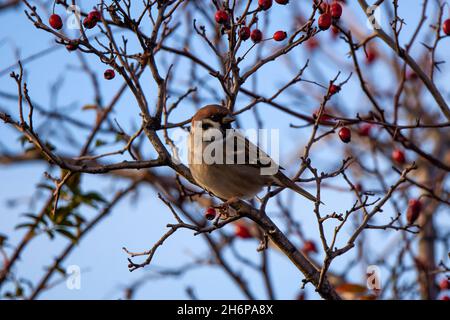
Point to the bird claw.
(225, 209)
(264, 243)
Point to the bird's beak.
(228, 119)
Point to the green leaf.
(79, 219)
(35, 218)
(24, 225)
(119, 137)
(44, 186)
(99, 143)
(19, 291)
(61, 213)
(90, 199)
(30, 148)
(3, 238)
(67, 223)
(23, 140)
(67, 234)
(50, 146)
(50, 234)
(94, 196)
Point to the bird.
(214, 166)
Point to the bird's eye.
(215, 118)
(206, 125)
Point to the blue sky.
(137, 225)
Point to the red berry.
(242, 231)
(55, 21)
(72, 46)
(312, 44)
(444, 284)
(324, 7)
(89, 23)
(309, 246)
(109, 74)
(398, 156)
(265, 4)
(336, 10)
(279, 36)
(345, 134)
(94, 15)
(244, 33)
(324, 118)
(301, 296)
(210, 213)
(256, 35)
(282, 1)
(446, 27)
(364, 131)
(445, 298)
(221, 16)
(324, 21)
(414, 208)
(334, 89)
(372, 55)
(411, 75)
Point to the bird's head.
(212, 117)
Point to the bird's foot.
(225, 209)
(264, 244)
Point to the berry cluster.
(329, 13)
(92, 19)
(223, 18)
(89, 22)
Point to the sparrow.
(223, 176)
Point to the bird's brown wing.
(256, 157)
(253, 155)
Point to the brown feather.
(284, 181)
(236, 180)
(209, 111)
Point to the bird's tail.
(302, 192)
(284, 181)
